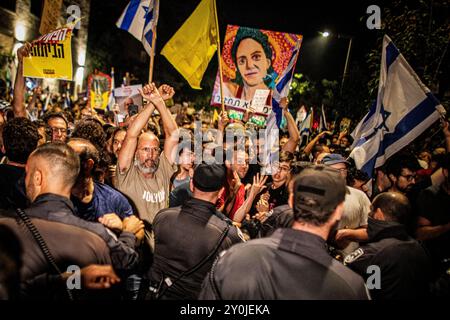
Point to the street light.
(326, 34)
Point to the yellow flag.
(215, 116)
(194, 44)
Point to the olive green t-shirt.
(148, 194)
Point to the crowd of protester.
(129, 205)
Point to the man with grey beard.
(143, 171)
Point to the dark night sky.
(319, 58)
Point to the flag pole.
(219, 58)
(152, 58)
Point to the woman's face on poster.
(252, 62)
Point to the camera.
(133, 109)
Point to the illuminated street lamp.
(326, 34)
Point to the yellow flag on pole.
(194, 44)
(215, 115)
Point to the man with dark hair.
(20, 138)
(401, 171)
(58, 125)
(91, 129)
(277, 190)
(189, 237)
(404, 267)
(292, 263)
(95, 201)
(51, 172)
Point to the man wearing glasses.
(144, 170)
(57, 123)
(401, 171)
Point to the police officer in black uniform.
(293, 263)
(189, 237)
(404, 268)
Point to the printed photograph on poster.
(253, 60)
(128, 96)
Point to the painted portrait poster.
(99, 88)
(253, 60)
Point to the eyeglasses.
(150, 150)
(409, 177)
(59, 130)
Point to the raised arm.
(19, 85)
(294, 137)
(257, 186)
(313, 142)
(126, 154)
(170, 126)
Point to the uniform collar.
(49, 202)
(197, 206)
(300, 242)
(378, 230)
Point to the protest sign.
(253, 59)
(50, 56)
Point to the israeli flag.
(403, 110)
(323, 120)
(140, 18)
(275, 117)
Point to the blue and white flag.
(305, 125)
(323, 121)
(112, 99)
(275, 117)
(140, 18)
(364, 125)
(403, 110)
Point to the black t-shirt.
(435, 207)
(12, 187)
(278, 197)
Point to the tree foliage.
(420, 30)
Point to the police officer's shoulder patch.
(353, 256)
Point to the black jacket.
(52, 207)
(183, 237)
(290, 264)
(405, 268)
(281, 217)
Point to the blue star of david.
(146, 11)
(384, 114)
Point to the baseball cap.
(334, 158)
(209, 177)
(318, 189)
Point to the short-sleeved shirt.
(356, 212)
(239, 200)
(149, 195)
(104, 200)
